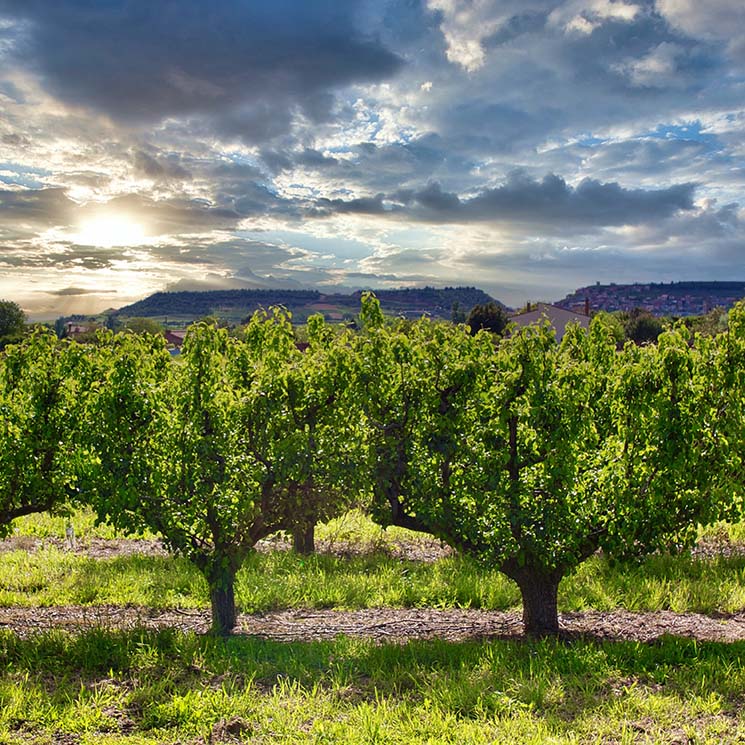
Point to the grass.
(46, 525)
(281, 579)
(357, 528)
(148, 687)
(352, 527)
(141, 687)
(284, 580)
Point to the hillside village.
(660, 299)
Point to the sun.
(107, 231)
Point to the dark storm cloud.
(361, 206)
(251, 64)
(522, 199)
(159, 169)
(42, 208)
(315, 159)
(372, 167)
(591, 202)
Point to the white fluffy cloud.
(467, 23)
(584, 16)
(721, 20)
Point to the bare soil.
(381, 624)
(95, 548)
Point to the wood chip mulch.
(381, 624)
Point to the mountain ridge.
(235, 305)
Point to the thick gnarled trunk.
(539, 589)
(222, 599)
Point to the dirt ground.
(379, 624)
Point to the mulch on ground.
(381, 624)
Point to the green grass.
(677, 583)
(284, 580)
(357, 528)
(352, 527)
(46, 525)
(143, 688)
(281, 579)
(147, 687)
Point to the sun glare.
(111, 230)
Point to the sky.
(527, 147)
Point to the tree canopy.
(42, 391)
(12, 319)
(236, 440)
(528, 454)
(489, 316)
(534, 455)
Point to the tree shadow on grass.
(547, 677)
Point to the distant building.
(74, 330)
(557, 317)
(175, 337)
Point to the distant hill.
(236, 305)
(672, 299)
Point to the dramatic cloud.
(39, 208)
(525, 146)
(252, 65)
(549, 202)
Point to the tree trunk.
(222, 598)
(303, 538)
(539, 589)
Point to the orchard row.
(528, 454)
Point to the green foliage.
(535, 454)
(641, 326)
(712, 323)
(241, 438)
(416, 383)
(530, 455)
(457, 313)
(43, 385)
(489, 316)
(140, 325)
(12, 320)
(614, 325)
